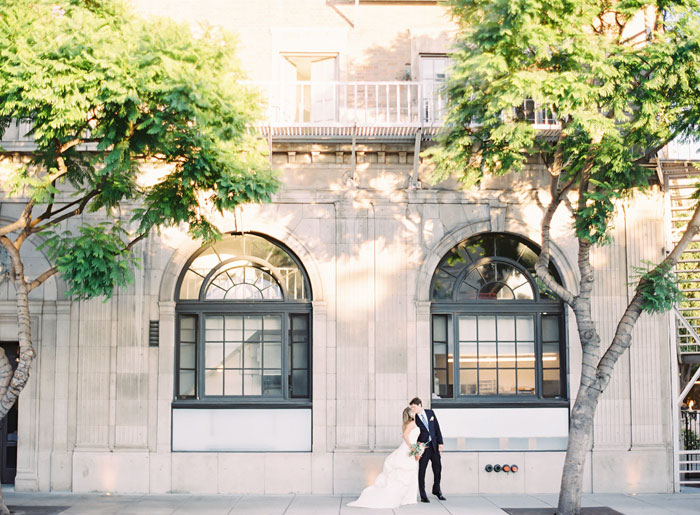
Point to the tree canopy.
(620, 77)
(106, 92)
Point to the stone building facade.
(357, 288)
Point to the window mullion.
(538, 356)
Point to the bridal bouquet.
(416, 449)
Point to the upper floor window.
(497, 332)
(243, 325)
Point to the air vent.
(153, 333)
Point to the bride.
(398, 482)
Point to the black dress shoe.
(440, 496)
(424, 499)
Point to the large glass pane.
(551, 383)
(259, 247)
(187, 355)
(187, 383)
(525, 328)
(550, 328)
(526, 381)
(272, 328)
(299, 325)
(468, 354)
(487, 382)
(299, 356)
(219, 286)
(474, 280)
(506, 328)
(526, 354)
(272, 382)
(205, 262)
(507, 246)
(487, 354)
(487, 328)
(233, 358)
(300, 383)
(214, 355)
(252, 382)
(244, 292)
(252, 328)
(214, 328)
(233, 382)
(191, 283)
(214, 382)
(187, 328)
(251, 355)
(550, 355)
(272, 292)
(467, 328)
(524, 292)
(506, 382)
(237, 274)
(233, 328)
(506, 354)
(230, 247)
(440, 355)
(467, 291)
(439, 328)
(468, 381)
(272, 355)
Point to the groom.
(431, 436)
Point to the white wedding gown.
(398, 482)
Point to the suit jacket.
(432, 431)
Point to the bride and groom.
(404, 469)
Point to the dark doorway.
(8, 429)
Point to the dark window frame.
(286, 309)
(538, 307)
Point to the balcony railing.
(386, 104)
(681, 149)
(315, 103)
(314, 109)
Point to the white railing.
(681, 149)
(399, 103)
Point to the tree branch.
(40, 280)
(135, 241)
(21, 222)
(69, 214)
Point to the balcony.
(367, 110)
(334, 110)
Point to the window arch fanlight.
(497, 331)
(243, 324)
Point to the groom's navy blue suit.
(433, 436)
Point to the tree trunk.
(24, 335)
(580, 433)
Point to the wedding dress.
(398, 482)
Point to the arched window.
(497, 332)
(243, 326)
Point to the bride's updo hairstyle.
(407, 418)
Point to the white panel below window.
(245, 430)
(506, 429)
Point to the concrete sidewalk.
(23, 503)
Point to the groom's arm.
(438, 433)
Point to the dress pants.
(429, 455)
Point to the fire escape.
(681, 178)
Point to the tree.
(106, 92)
(622, 79)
